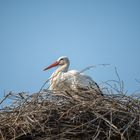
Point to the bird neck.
(61, 69)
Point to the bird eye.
(61, 59)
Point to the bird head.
(63, 60)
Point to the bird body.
(62, 79)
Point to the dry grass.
(64, 116)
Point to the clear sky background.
(34, 33)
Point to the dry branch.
(70, 116)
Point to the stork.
(62, 79)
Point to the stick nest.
(69, 115)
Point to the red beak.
(52, 65)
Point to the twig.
(5, 98)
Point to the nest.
(64, 116)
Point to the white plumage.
(62, 79)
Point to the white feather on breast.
(72, 80)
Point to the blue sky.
(34, 33)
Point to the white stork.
(62, 79)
